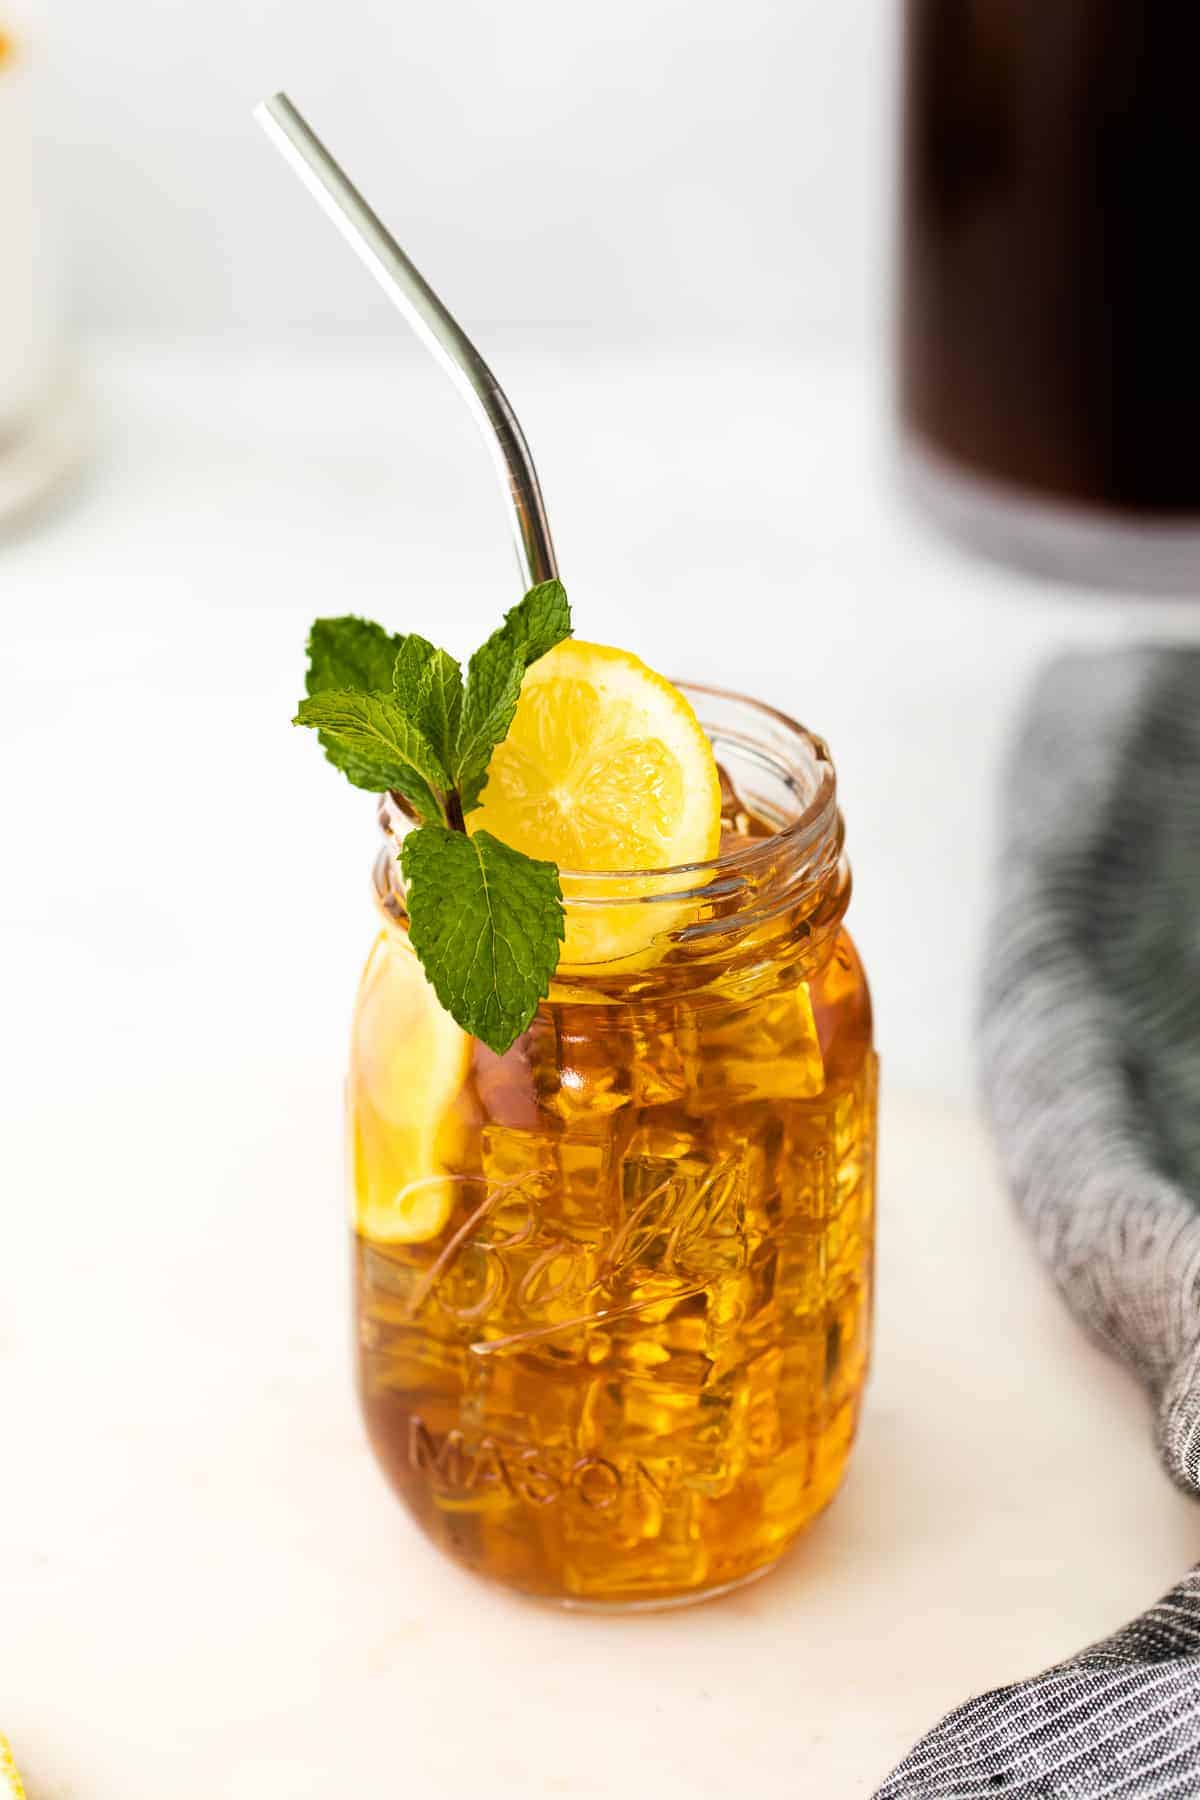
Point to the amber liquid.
(630, 1367)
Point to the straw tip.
(269, 108)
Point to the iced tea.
(624, 1361)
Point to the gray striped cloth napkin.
(1091, 1059)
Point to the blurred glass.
(40, 416)
(1049, 342)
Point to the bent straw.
(441, 334)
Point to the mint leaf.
(538, 622)
(358, 655)
(440, 705)
(493, 689)
(486, 923)
(429, 686)
(379, 740)
(494, 674)
(350, 653)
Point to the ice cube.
(588, 1170)
(761, 1047)
(683, 1206)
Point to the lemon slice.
(10, 1781)
(408, 1063)
(605, 767)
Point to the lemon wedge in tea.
(408, 1062)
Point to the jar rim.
(799, 760)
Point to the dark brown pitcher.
(1050, 299)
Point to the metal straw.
(439, 332)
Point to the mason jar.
(614, 1287)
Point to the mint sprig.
(394, 713)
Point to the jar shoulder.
(842, 1010)
(581, 1057)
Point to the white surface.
(664, 166)
(205, 1588)
(210, 1594)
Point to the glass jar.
(614, 1351)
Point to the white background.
(669, 224)
(642, 168)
